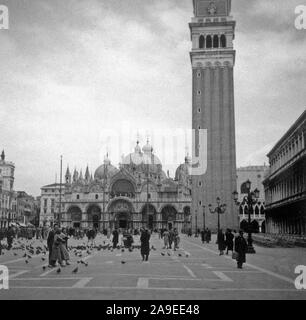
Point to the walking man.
(241, 247)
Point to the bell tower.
(213, 59)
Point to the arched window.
(241, 211)
(223, 41)
(256, 211)
(216, 41)
(208, 42)
(201, 42)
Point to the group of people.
(57, 243)
(205, 235)
(234, 242)
(170, 237)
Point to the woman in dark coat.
(229, 239)
(221, 242)
(207, 235)
(241, 248)
(115, 238)
(145, 245)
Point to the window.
(223, 41)
(199, 110)
(200, 203)
(200, 183)
(201, 42)
(97, 197)
(216, 41)
(199, 74)
(199, 92)
(149, 195)
(78, 196)
(52, 202)
(45, 202)
(52, 190)
(208, 42)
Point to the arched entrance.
(244, 225)
(94, 216)
(75, 214)
(121, 211)
(169, 217)
(255, 226)
(148, 214)
(187, 219)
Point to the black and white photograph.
(154, 151)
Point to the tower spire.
(2, 155)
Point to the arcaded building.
(136, 194)
(285, 184)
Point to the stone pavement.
(194, 272)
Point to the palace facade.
(285, 183)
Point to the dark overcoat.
(145, 243)
(241, 248)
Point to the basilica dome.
(184, 169)
(105, 170)
(142, 161)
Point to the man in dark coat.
(221, 242)
(145, 245)
(115, 238)
(203, 235)
(229, 240)
(241, 248)
(10, 236)
(50, 241)
(207, 235)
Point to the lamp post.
(196, 223)
(250, 200)
(203, 217)
(219, 209)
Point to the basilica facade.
(136, 194)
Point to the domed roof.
(106, 170)
(147, 148)
(184, 168)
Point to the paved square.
(195, 271)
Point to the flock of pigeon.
(80, 251)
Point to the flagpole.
(60, 196)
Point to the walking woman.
(221, 242)
(145, 244)
(166, 239)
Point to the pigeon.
(187, 255)
(75, 270)
(86, 264)
(26, 261)
(123, 262)
(162, 253)
(30, 257)
(24, 255)
(122, 250)
(15, 254)
(169, 254)
(58, 270)
(43, 259)
(44, 267)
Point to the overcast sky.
(72, 69)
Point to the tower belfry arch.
(213, 58)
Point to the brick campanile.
(213, 58)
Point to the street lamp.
(196, 223)
(203, 217)
(250, 200)
(220, 209)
